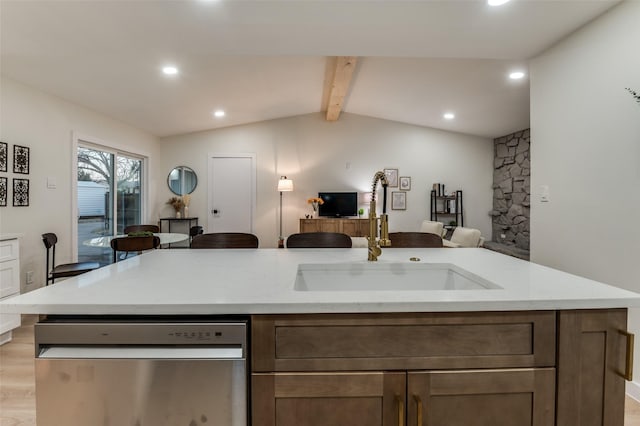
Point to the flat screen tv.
(338, 204)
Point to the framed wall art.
(20, 192)
(398, 200)
(3, 191)
(4, 149)
(21, 159)
(405, 183)
(392, 177)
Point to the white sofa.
(461, 237)
(464, 237)
(433, 227)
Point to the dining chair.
(319, 240)
(141, 228)
(63, 270)
(193, 231)
(223, 240)
(415, 239)
(133, 244)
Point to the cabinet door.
(9, 250)
(330, 225)
(350, 227)
(363, 225)
(309, 225)
(328, 399)
(482, 398)
(9, 278)
(591, 359)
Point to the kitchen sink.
(392, 276)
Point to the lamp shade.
(285, 185)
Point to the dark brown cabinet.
(440, 369)
(397, 369)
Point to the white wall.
(585, 131)
(45, 124)
(339, 156)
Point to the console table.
(181, 225)
(351, 227)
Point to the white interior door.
(232, 193)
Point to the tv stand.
(353, 227)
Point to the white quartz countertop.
(182, 282)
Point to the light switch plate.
(544, 194)
(52, 183)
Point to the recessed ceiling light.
(449, 116)
(170, 70)
(219, 113)
(497, 2)
(516, 75)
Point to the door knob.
(214, 211)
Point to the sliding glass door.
(129, 193)
(109, 198)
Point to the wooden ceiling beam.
(337, 81)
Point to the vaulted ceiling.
(259, 60)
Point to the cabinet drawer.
(403, 341)
(8, 250)
(9, 278)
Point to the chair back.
(49, 239)
(433, 227)
(193, 231)
(415, 239)
(53, 271)
(133, 244)
(196, 230)
(224, 240)
(141, 228)
(466, 237)
(319, 240)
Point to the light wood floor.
(17, 383)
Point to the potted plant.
(315, 203)
(177, 204)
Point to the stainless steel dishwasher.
(141, 373)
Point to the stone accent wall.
(511, 189)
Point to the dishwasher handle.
(140, 352)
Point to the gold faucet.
(373, 243)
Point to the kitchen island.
(508, 343)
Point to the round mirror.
(182, 180)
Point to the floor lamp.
(284, 185)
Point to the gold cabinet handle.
(400, 402)
(418, 401)
(628, 369)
